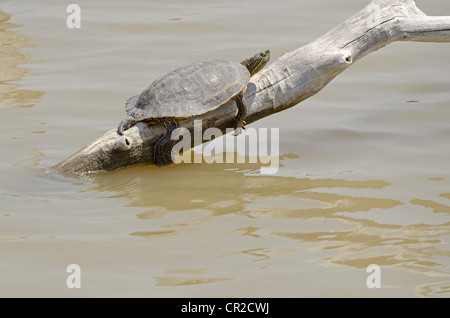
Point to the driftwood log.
(290, 79)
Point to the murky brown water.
(365, 163)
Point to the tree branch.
(292, 78)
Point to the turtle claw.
(238, 131)
(125, 124)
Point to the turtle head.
(257, 62)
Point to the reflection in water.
(318, 216)
(10, 59)
(179, 281)
(441, 289)
(437, 207)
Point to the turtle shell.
(189, 90)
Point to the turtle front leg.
(162, 153)
(242, 113)
(125, 124)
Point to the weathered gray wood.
(292, 78)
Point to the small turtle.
(189, 90)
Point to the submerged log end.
(112, 151)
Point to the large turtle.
(189, 90)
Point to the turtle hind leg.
(242, 112)
(125, 124)
(162, 153)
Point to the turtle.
(189, 90)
